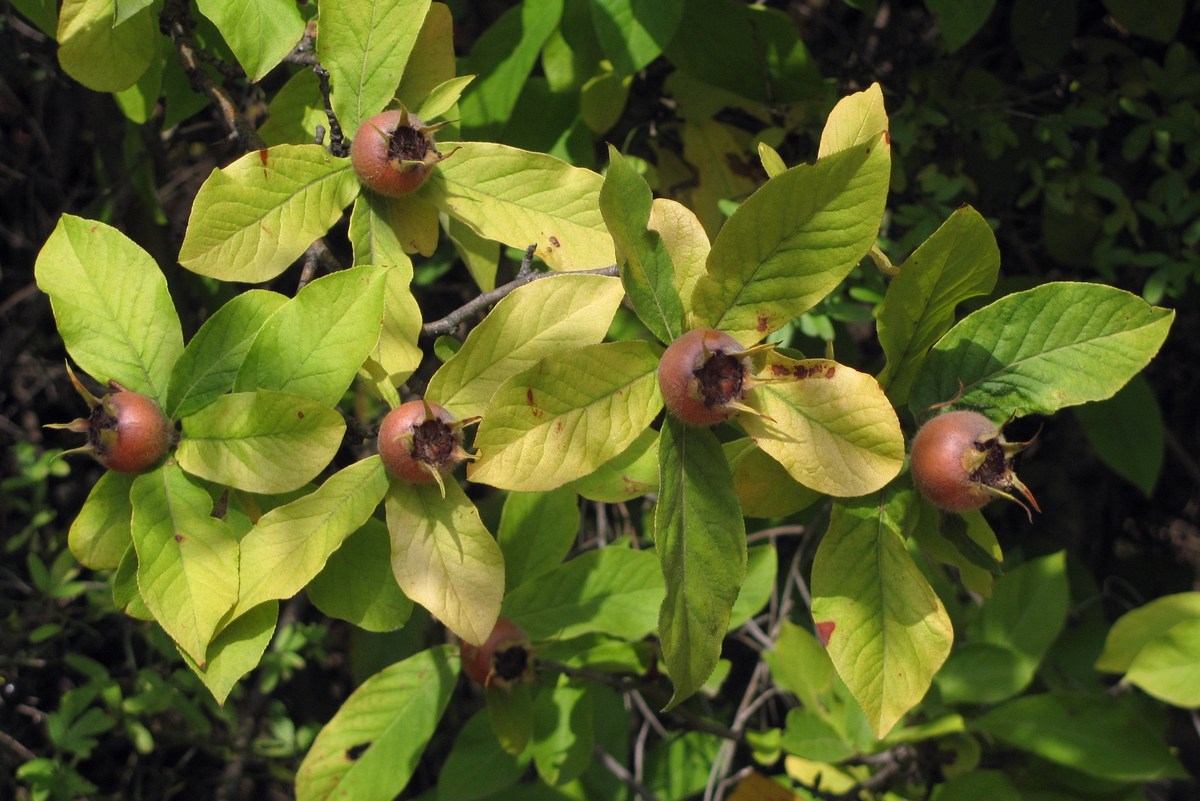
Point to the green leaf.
(886, 630)
(1099, 736)
(315, 343)
(800, 665)
(187, 569)
(252, 219)
(365, 46)
(1134, 630)
(634, 32)
(628, 475)
(1022, 354)
(431, 62)
(545, 317)
(100, 533)
(212, 358)
(443, 97)
(510, 713)
(791, 242)
(260, 441)
(1011, 634)
(374, 227)
(480, 255)
(503, 58)
(763, 486)
(111, 303)
(444, 558)
(854, 121)
(567, 415)
(1126, 431)
(807, 734)
(290, 544)
(762, 565)
(357, 584)
(295, 112)
(683, 235)
(647, 272)
(613, 590)
(563, 731)
(521, 198)
(1168, 667)
(101, 52)
(964, 540)
(832, 428)
(701, 542)
(260, 34)
(958, 21)
(536, 532)
(370, 749)
(477, 766)
(959, 261)
(237, 650)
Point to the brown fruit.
(126, 431)
(420, 441)
(504, 659)
(393, 153)
(704, 376)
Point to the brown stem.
(337, 140)
(177, 23)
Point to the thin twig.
(176, 22)
(337, 140)
(617, 769)
(452, 320)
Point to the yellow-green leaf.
(99, 52)
(855, 120)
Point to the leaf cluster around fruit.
(261, 499)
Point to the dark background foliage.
(1074, 131)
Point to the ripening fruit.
(704, 376)
(420, 441)
(394, 152)
(126, 431)
(503, 660)
(961, 461)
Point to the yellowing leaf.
(444, 558)
(99, 52)
(855, 120)
(566, 416)
(832, 428)
(686, 241)
(521, 198)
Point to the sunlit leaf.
(103, 53)
(431, 63)
(236, 650)
(357, 584)
(100, 535)
(855, 120)
(537, 529)
(260, 34)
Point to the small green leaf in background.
(357, 584)
(701, 541)
(613, 590)
(260, 441)
(959, 20)
(522, 198)
(431, 62)
(365, 46)
(373, 232)
(959, 261)
(290, 544)
(602, 99)
(887, 631)
(763, 486)
(252, 219)
(964, 540)
(686, 242)
(831, 428)
(443, 97)
(791, 242)
(313, 345)
(111, 304)
(236, 650)
(477, 766)
(212, 358)
(810, 735)
(855, 120)
(634, 32)
(104, 53)
(260, 34)
(503, 57)
(1035, 352)
(563, 731)
(1011, 634)
(646, 269)
(444, 558)
(1127, 432)
(370, 749)
(100, 534)
(1168, 667)
(545, 317)
(294, 112)
(510, 713)
(567, 415)
(800, 665)
(537, 530)
(762, 565)
(479, 254)
(990, 784)
(1100, 736)
(187, 560)
(1137, 628)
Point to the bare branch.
(337, 140)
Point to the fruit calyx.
(419, 441)
(126, 430)
(961, 461)
(394, 152)
(704, 376)
(503, 660)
